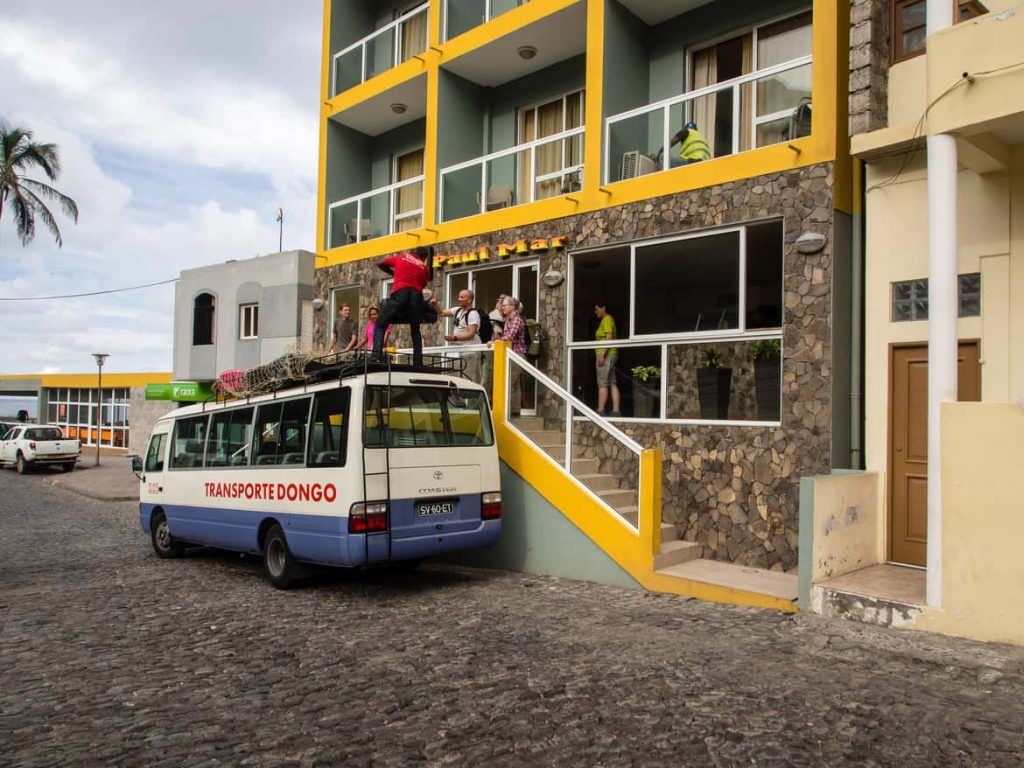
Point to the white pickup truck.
(26, 446)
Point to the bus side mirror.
(136, 464)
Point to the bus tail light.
(368, 518)
(490, 507)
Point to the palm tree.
(18, 153)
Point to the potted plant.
(713, 382)
(767, 354)
(646, 391)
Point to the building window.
(249, 321)
(202, 319)
(686, 310)
(910, 298)
(909, 24)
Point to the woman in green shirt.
(606, 357)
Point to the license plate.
(430, 508)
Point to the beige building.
(968, 86)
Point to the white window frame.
(665, 341)
(565, 170)
(755, 65)
(393, 214)
(250, 323)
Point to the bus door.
(437, 440)
(154, 467)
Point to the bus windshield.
(425, 416)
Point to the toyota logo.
(439, 475)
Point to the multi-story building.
(937, 119)
(240, 314)
(530, 140)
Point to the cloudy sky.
(182, 127)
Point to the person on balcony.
(411, 271)
(467, 329)
(345, 336)
(695, 146)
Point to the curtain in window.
(550, 118)
(414, 36)
(705, 73)
(409, 198)
(747, 97)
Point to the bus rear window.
(425, 417)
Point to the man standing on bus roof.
(411, 271)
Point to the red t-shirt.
(410, 271)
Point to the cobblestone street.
(109, 656)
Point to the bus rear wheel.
(164, 544)
(278, 564)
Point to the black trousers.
(404, 306)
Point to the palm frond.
(67, 205)
(28, 154)
(24, 217)
(39, 207)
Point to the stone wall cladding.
(733, 489)
(144, 415)
(869, 65)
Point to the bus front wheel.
(278, 564)
(164, 544)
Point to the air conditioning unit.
(635, 163)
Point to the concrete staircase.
(679, 559)
(606, 487)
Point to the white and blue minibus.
(370, 469)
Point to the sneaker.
(615, 415)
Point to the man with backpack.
(470, 326)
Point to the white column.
(942, 311)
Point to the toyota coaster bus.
(381, 464)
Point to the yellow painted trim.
(843, 186)
(90, 379)
(632, 551)
(510, 21)
(430, 191)
(592, 149)
(379, 84)
(325, 84)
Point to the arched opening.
(202, 319)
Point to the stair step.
(556, 452)
(618, 497)
(773, 583)
(581, 467)
(668, 531)
(528, 423)
(675, 553)
(596, 482)
(545, 438)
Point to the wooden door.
(908, 443)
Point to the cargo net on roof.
(289, 369)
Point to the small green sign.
(180, 391)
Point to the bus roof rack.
(298, 369)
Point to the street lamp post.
(100, 358)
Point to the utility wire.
(916, 142)
(91, 293)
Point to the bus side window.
(239, 437)
(292, 446)
(328, 432)
(189, 443)
(268, 427)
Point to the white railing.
(685, 101)
(359, 52)
(361, 202)
(566, 172)
(484, 8)
(572, 408)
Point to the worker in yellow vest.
(695, 146)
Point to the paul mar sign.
(180, 391)
(501, 251)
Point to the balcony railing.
(758, 109)
(534, 170)
(395, 208)
(381, 50)
(463, 15)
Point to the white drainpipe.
(942, 311)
